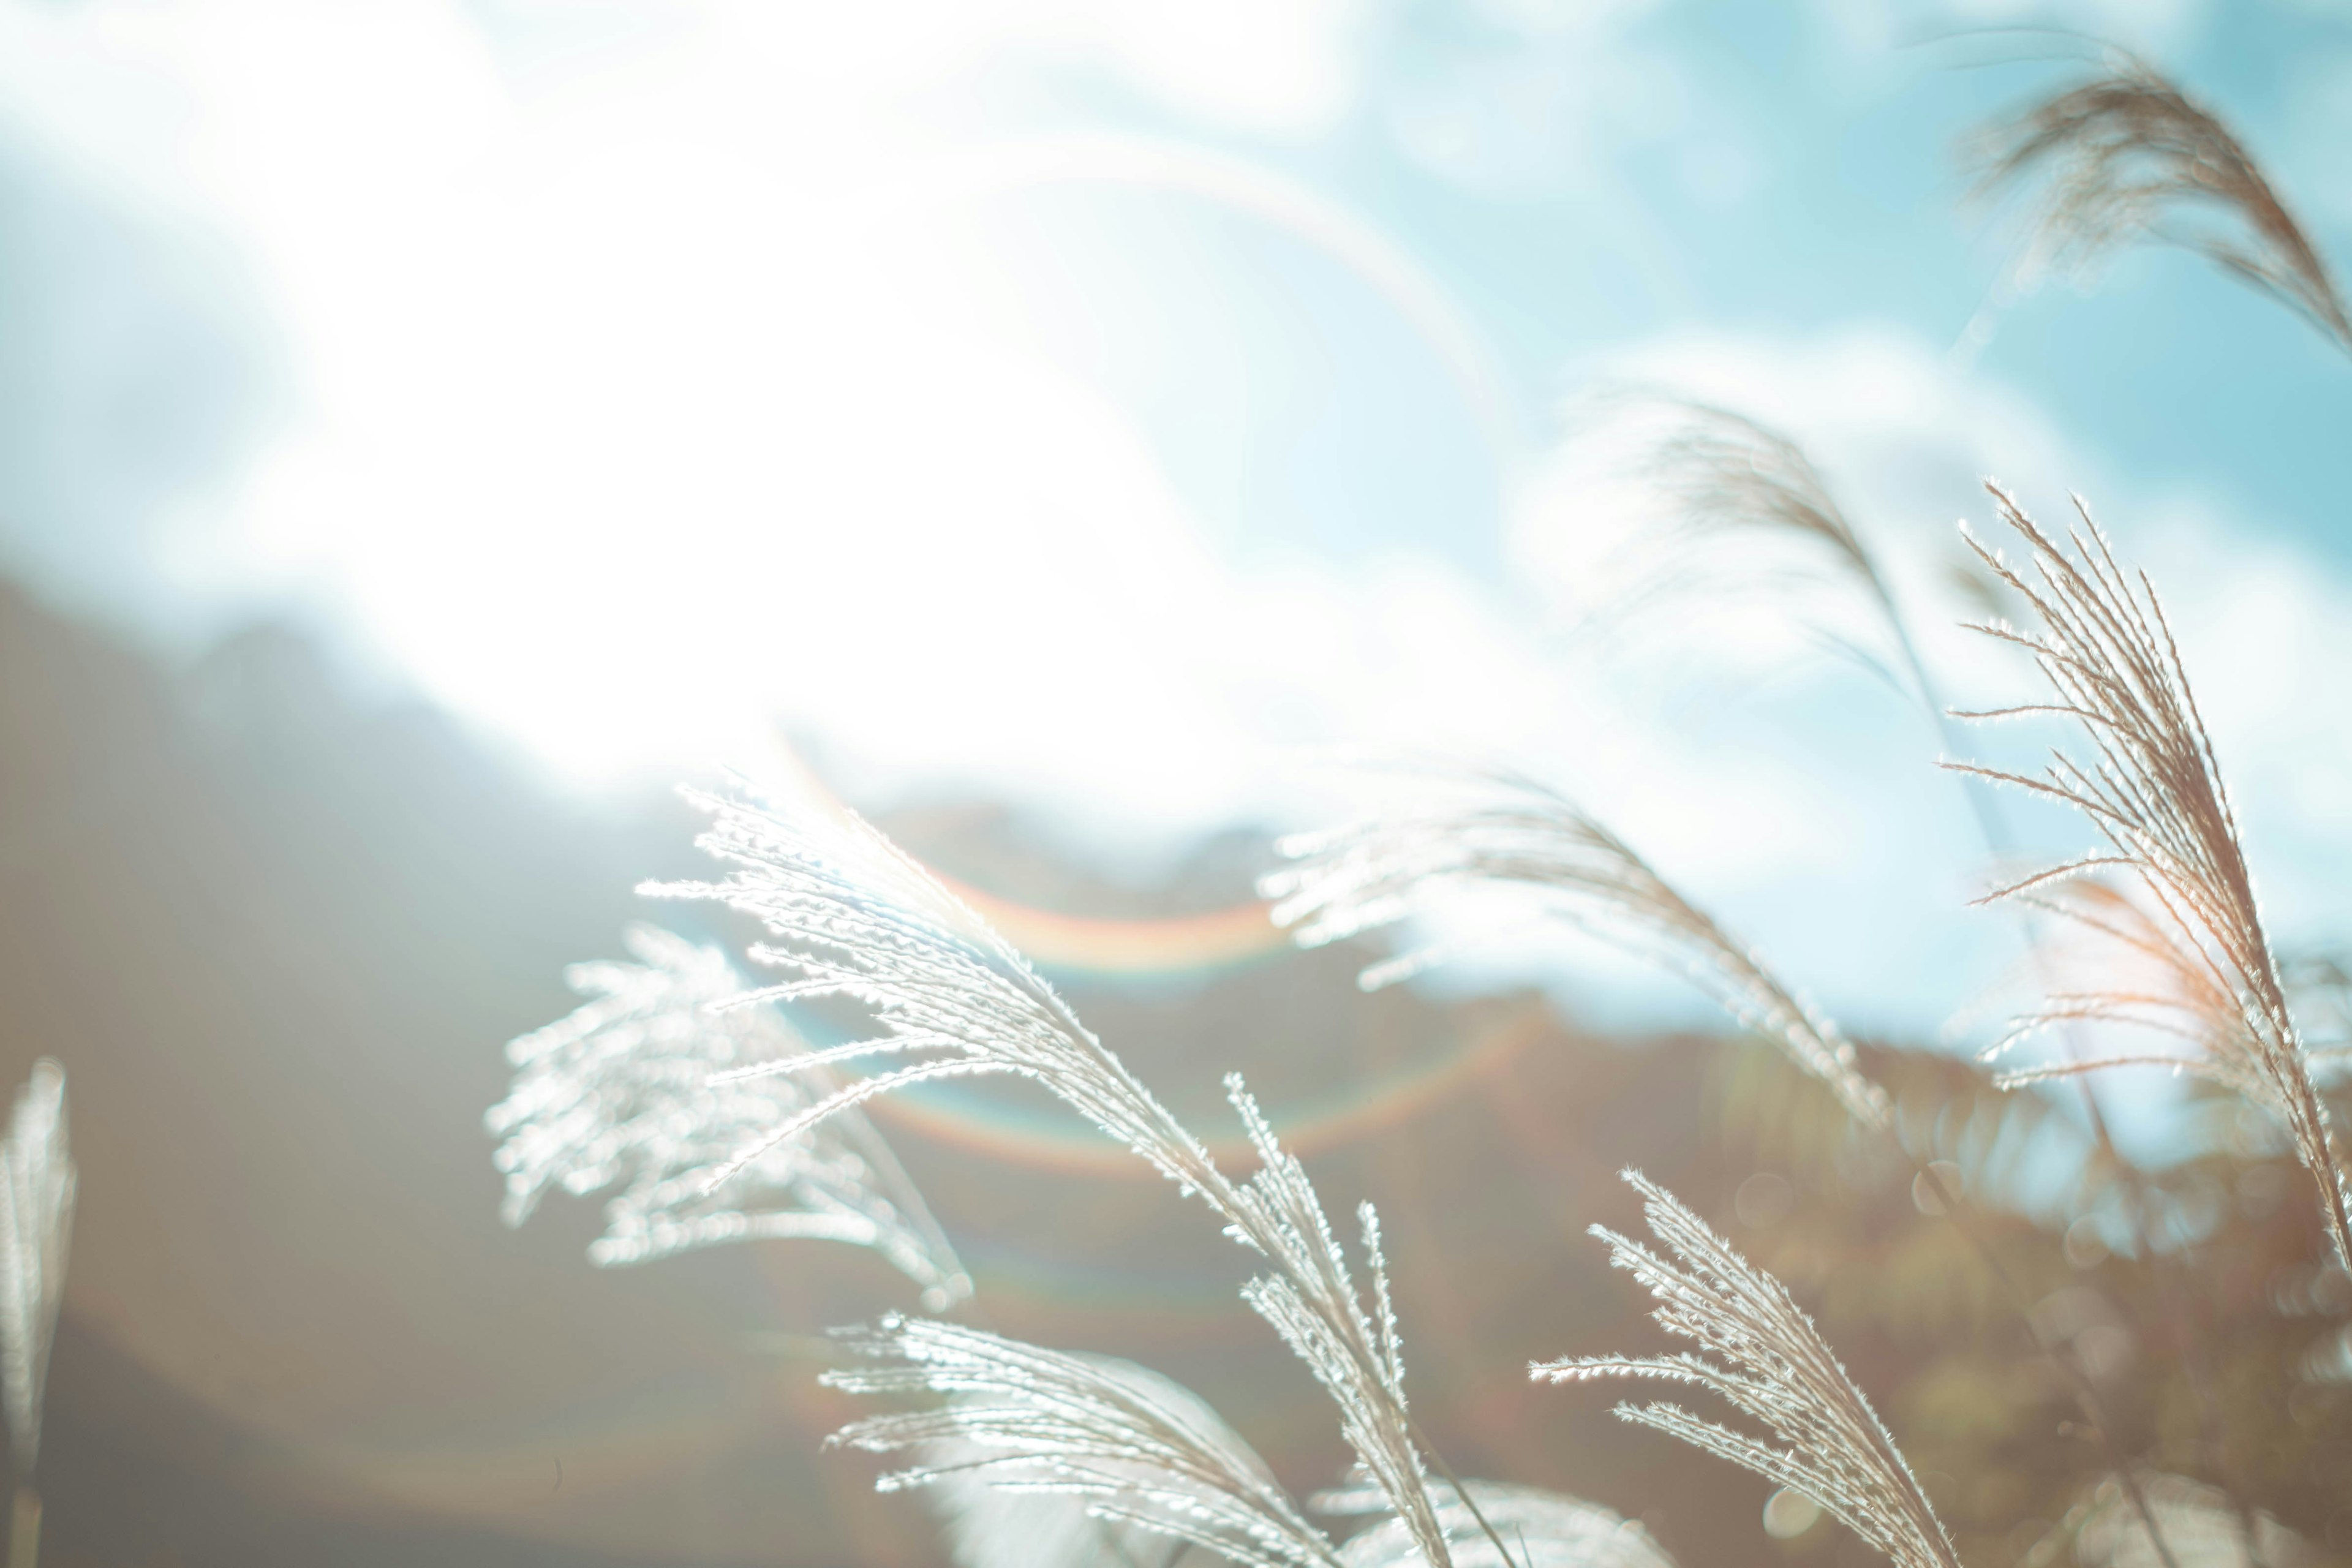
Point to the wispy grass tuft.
(1132, 1451)
(656, 1082)
(852, 917)
(1493, 827)
(1824, 1441)
(2126, 158)
(1722, 509)
(2153, 791)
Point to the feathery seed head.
(658, 1082)
(1125, 1446)
(1711, 470)
(1771, 1364)
(849, 915)
(1501, 828)
(2153, 791)
(1675, 499)
(2129, 157)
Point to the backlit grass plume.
(1136, 1452)
(1498, 827)
(852, 917)
(1723, 499)
(642, 1086)
(2127, 157)
(36, 1204)
(1693, 502)
(1710, 474)
(2153, 792)
(1820, 1437)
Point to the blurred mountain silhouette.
(278, 934)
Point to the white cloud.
(1530, 110)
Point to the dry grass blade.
(1774, 1367)
(36, 1203)
(1135, 1451)
(2154, 792)
(1501, 828)
(852, 917)
(651, 1083)
(1549, 1530)
(2127, 157)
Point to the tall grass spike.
(1772, 1365)
(656, 1083)
(2153, 791)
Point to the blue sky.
(1096, 403)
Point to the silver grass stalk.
(36, 1204)
(1717, 471)
(1136, 1452)
(1723, 498)
(1714, 478)
(1505, 828)
(854, 917)
(1822, 1437)
(1549, 1530)
(2154, 792)
(635, 1086)
(2127, 157)
(1312, 1303)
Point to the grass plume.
(654, 1084)
(2153, 791)
(851, 916)
(1773, 1366)
(1721, 509)
(1504, 829)
(2127, 157)
(1130, 1448)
